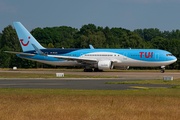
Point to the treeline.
(99, 37)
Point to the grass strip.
(173, 92)
(162, 82)
(68, 104)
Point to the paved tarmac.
(74, 83)
(86, 83)
(122, 74)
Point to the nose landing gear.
(163, 69)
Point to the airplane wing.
(82, 60)
(20, 53)
(78, 59)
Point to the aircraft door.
(157, 56)
(81, 55)
(125, 56)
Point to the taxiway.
(74, 83)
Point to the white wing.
(78, 59)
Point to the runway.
(74, 83)
(122, 74)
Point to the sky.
(128, 14)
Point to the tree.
(148, 34)
(84, 41)
(41, 35)
(159, 43)
(57, 45)
(135, 41)
(50, 45)
(0, 40)
(5, 57)
(85, 29)
(107, 32)
(175, 34)
(97, 40)
(124, 40)
(9, 38)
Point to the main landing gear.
(97, 70)
(91, 70)
(88, 70)
(163, 69)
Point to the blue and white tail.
(25, 38)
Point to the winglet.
(38, 51)
(91, 47)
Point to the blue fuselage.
(124, 57)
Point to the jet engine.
(105, 65)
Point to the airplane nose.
(175, 58)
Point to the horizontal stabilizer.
(38, 51)
(20, 53)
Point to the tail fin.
(25, 38)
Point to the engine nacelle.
(122, 67)
(105, 65)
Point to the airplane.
(91, 59)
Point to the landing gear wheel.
(162, 71)
(97, 70)
(88, 70)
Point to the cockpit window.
(169, 55)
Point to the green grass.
(162, 82)
(68, 104)
(174, 92)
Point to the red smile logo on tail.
(23, 43)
